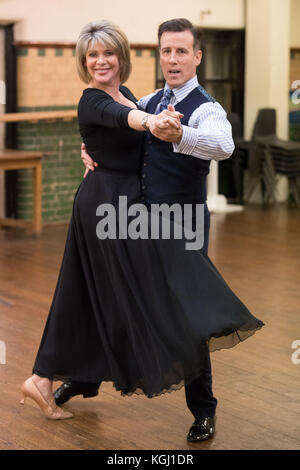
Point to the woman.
(139, 313)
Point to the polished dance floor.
(257, 384)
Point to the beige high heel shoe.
(30, 390)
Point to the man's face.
(178, 59)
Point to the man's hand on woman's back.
(87, 160)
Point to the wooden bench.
(18, 160)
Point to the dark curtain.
(10, 128)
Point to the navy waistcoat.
(168, 176)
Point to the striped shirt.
(208, 134)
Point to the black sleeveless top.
(103, 125)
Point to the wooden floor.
(256, 383)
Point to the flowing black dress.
(139, 313)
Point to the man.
(176, 163)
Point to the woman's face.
(103, 65)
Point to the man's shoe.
(201, 430)
(70, 389)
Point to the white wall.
(267, 68)
(267, 61)
(61, 20)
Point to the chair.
(264, 126)
(236, 163)
(265, 123)
(270, 156)
(283, 157)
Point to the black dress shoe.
(201, 429)
(70, 389)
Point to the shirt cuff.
(188, 141)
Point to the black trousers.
(199, 395)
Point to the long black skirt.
(138, 313)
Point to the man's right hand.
(87, 160)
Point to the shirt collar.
(183, 90)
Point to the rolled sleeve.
(208, 134)
(188, 142)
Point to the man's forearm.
(208, 146)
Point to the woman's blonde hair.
(109, 35)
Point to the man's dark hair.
(178, 25)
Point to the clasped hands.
(166, 125)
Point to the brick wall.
(47, 81)
(295, 65)
(62, 169)
(47, 76)
(142, 80)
